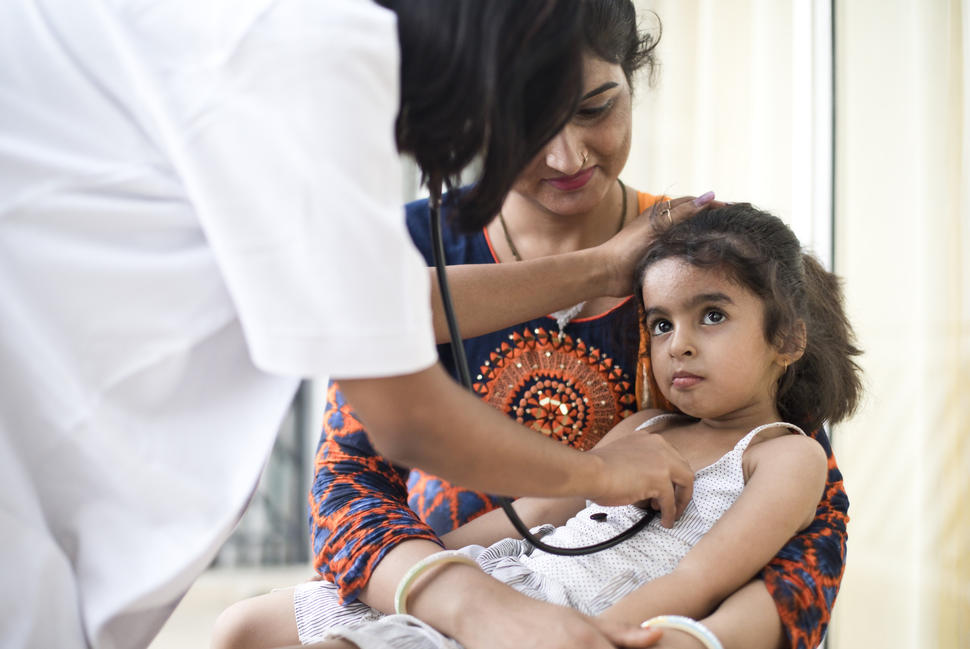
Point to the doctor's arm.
(427, 420)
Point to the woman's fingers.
(666, 213)
(623, 251)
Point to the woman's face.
(557, 179)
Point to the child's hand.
(666, 638)
(631, 635)
(674, 639)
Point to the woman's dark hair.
(611, 33)
(759, 252)
(496, 78)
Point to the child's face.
(708, 350)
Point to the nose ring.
(585, 158)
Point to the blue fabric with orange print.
(572, 386)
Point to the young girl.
(748, 345)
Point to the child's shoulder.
(634, 424)
(782, 446)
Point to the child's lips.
(685, 380)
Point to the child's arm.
(787, 475)
(495, 526)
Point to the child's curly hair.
(762, 254)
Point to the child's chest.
(702, 449)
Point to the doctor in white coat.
(177, 182)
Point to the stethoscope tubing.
(461, 363)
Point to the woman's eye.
(660, 327)
(592, 112)
(713, 317)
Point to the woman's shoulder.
(646, 200)
(460, 247)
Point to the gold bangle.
(421, 567)
(688, 625)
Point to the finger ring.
(666, 214)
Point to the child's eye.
(714, 317)
(660, 327)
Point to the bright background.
(744, 106)
(851, 120)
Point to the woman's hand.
(518, 622)
(483, 613)
(622, 252)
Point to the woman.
(571, 376)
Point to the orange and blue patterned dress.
(572, 385)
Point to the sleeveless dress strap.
(744, 441)
(664, 416)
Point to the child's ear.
(794, 346)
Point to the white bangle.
(421, 567)
(688, 625)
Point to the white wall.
(741, 108)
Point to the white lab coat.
(199, 203)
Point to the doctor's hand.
(643, 468)
(623, 251)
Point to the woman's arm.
(781, 494)
(488, 297)
(366, 539)
(358, 503)
(747, 619)
(804, 577)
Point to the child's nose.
(682, 343)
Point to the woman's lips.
(569, 183)
(684, 380)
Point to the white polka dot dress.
(590, 583)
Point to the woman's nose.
(565, 153)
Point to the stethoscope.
(461, 363)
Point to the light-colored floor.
(191, 624)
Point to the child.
(748, 346)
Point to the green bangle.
(421, 567)
(688, 625)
